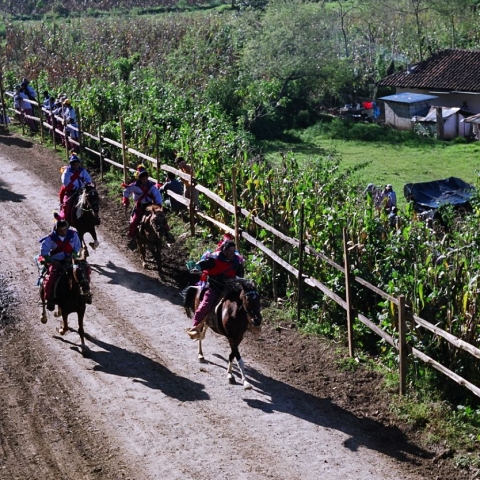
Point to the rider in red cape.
(223, 264)
(145, 193)
(74, 177)
(61, 244)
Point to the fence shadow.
(361, 431)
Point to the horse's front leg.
(241, 366)
(142, 249)
(64, 327)
(235, 354)
(81, 331)
(201, 358)
(95, 242)
(201, 336)
(43, 318)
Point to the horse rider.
(74, 177)
(145, 193)
(57, 248)
(223, 264)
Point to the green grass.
(389, 162)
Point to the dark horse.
(238, 310)
(84, 214)
(152, 231)
(71, 294)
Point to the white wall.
(449, 99)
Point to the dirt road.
(140, 406)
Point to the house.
(452, 75)
(453, 122)
(402, 107)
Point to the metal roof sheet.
(407, 97)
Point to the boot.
(132, 244)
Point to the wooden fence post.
(80, 136)
(40, 112)
(348, 296)
(124, 152)
(402, 344)
(2, 99)
(273, 209)
(100, 149)
(235, 205)
(157, 154)
(300, 262)
(65, 133)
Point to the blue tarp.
(431, 195)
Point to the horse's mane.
(238, 284)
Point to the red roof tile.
(457, 70)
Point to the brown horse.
(152, 231)
(237, 311)
(84, 216)
(71, 294)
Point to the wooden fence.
(406, 320)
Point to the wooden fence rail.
(348, 304)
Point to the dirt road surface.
(139, 405)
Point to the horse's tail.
(189, 294)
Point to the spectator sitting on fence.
(28, 89)
(23, 107)
(172, 185)
(46, 99)
(69, 111)
(188, 169)
(72, 129)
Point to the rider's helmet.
(74, 158)
(67, 101)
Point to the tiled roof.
(448, 70)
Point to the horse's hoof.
(247, 386)
(144, 264)
(44, 319)
(62, 331)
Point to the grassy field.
(397, 164)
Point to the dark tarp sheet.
(430, 195)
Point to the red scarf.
(62, 245)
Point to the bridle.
(255, 315)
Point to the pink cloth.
(206, 305)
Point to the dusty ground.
(139, 406)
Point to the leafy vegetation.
(214, 87)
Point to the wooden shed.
(402, 107)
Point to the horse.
(71, 294)
(239, 310)
(84, 216)
(151, 232)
